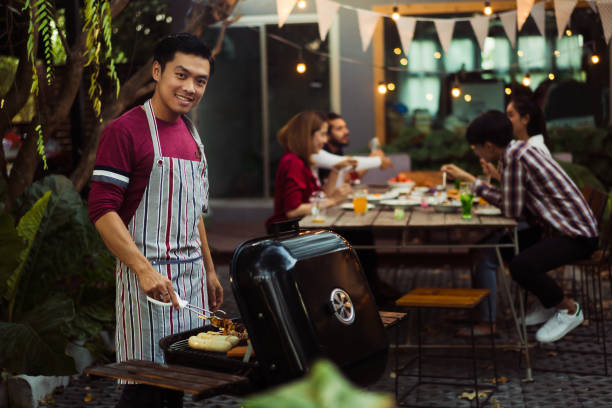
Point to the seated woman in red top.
(305, 134)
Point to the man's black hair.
(492, 126)
(332, 116)
(182, 42)
(527, 106)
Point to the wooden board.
(387, 219)
(330, 217)
(443, 298)
(350, 219)
(391, 318)
(426, 218)
(455, 220)
(202, 383)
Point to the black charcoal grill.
(302, 296)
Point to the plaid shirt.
(534, 181)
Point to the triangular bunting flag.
(367, 25)
(523, 8)
(326, 12)
(284, 9)
(605, 14)
(480, 25)
(538, 13)
(508, 20)
(405, 29)
(445, 28)
(563, 12)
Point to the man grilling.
(149, 190)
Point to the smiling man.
(149, 191)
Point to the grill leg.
(474, 364)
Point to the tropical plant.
(36, 35)
(56, 280)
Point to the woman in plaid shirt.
(535, 186)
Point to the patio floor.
(554, 388)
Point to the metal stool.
(442, 298)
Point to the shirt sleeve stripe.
(110, 177)
(113, 170)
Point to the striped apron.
(165, 229)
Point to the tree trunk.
(140, 84)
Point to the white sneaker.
(538, 314)
(559, 325)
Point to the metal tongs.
(183, 304)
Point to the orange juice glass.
(360, 202)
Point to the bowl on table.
(447, 207)
(487, 210)
(401, 202)
(349, 206)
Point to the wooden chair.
(442, 298)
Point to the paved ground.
(558, 388)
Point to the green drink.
(466, 196)
(466, 205)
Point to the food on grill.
(239, 352)
(213, 342)
(234, 340)
(229, 327)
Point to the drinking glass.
(466, 196)
(360, 201)
(318, 208)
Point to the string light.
(520, 53)
(526, 79)
(397, 50)
(551, 76)
(467, 97)
(301, 65)
(382, 88)
(302, 4)
(488, 10)
(456, 91)
(429, 97)
(437, 55)
(391, 86)
(557, 53)
(595, 59)
(396, 15)
(568, 32)
(508, 91)
(404, 61)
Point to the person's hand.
(490, 170)
(157, 286)
(349, 162)
(340, 194)
(457, 173)
(386, 163)
(214, 290)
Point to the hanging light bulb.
(302, 4)
(456, 91)
(467, 97)
(595, 59)
(437, 55)
(568, 32)
(526, 79)
(391, 86)
(382, 88)
(396, 15)
(397, 50)
(508, 91)
(301, 65)
(488, 10)
(551, 76)
(404, 61)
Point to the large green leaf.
(11, 245)
(27, 229)
(36, 345)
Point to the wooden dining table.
(424, 228)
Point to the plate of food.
(349, 206)
(447, 206)
(401, 202)
(489, 210)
